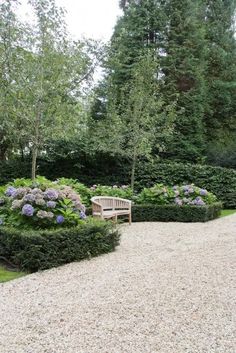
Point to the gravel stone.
(168, 288)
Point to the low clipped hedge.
(175, 213)
(33, 250)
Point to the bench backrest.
(112, 203)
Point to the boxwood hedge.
(175, 213)
(33, 250)
(219, 181)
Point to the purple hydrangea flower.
(27, 210)
(186, 188)
(29, 198)
(51, 194)
(203, 192)
(10, 191)
(60, 219)
(178, 201)
(51, 204)
(199, 202)
(82, 215)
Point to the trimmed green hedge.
(175, 213)
(172, 213)
(220, 181)
(34, 250)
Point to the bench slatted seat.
(110, 207)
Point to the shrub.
(86, 193)
(33, 250)
(219, 181)
(160, 194)
(175, 213)
(123, 191)
(40, 204)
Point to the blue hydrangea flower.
(29, 198)
(60, 219)
(82, 215)
(203, 192)
(51, 204)
(27, 210)
(10, 191)
(199, 202)
(51, 194)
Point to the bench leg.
(130, 219)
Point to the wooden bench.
(110, 207)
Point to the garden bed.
(33, 250)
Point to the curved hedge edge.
(175, 213)
(33, 250)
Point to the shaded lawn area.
(227, 213)
(7, 275)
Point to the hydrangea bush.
(86, 193)
(181, 195)
(41, 205)
(123, 191)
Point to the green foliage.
(140, 121)
(219, 181)
(195, 47)
(34, 250)
(174, 213)
(160, 194)
(221, 70)
(42, 73)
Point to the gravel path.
(169, 288)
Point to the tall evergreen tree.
(221, 70)
(183, 66)
(195, 46)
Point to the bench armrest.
(96, 207)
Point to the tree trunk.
(3, 153)
(4, 146)
(35, 145)
(134, 160)
(34, 162)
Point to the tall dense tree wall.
(195, 44)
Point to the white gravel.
(169, 288)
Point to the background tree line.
(168, 90)
(194, 44)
